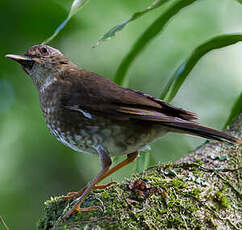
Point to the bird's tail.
(202, 131)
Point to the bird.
(92, 114)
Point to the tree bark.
(200, 191)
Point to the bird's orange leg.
(72, 195)
(106, 162)
(130, 158)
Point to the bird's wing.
(92, 93)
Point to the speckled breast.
(71, 128)
(85, 132)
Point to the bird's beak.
(22, 59)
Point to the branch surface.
(200, 191)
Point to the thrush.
(92, 114)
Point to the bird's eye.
(43, 50)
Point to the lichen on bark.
(200, 191)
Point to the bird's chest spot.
(82, 138)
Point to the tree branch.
(200, 191)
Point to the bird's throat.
(46, 82)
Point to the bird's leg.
(75, 205)
(130, 158)
(72, 195)
(105, 163)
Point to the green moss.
(183, 201)
(105, 195)
(199, 161)
(211, 222)
(221, 198)
(175, 221)
(178, 183)
(196, 192)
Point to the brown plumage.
(90, 113)
(98, 95)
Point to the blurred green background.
(33, 165)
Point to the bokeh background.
(33, 165)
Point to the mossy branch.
(200, 191)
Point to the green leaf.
(236, 110)
(240, 1)
(75, 7)
(175, 82)
(3, 223)
(113, 31)
(151, 32)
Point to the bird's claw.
(104, 185)
(75, 210)
(73, 195)
(91, 208)
(70, 195)
(76, 207)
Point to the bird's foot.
(73, 195)
(74, 209)
(103, 186)
(78, 209)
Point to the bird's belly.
(117, 137)
(127, 139)
(81, 141)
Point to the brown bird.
(92, 114)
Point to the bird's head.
(42, 63)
